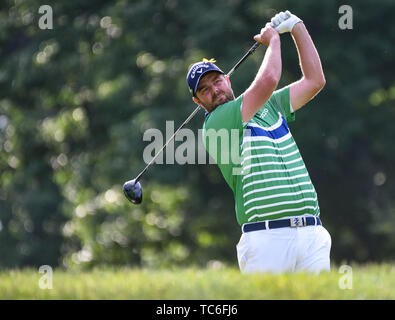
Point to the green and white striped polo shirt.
(269, 179)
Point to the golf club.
(132, 188)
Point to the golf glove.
(284, 22)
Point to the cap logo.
(201, 66)
(198, 69)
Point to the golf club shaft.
(250, 51)
(171, 138)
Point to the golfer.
(276, 203)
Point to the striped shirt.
(269, 179)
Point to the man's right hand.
(266, 35)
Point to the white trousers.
(285, 250)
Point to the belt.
(283, 223)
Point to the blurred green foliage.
(76, 100)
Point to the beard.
(221, 98)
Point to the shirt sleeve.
(281, 101)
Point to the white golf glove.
(284, 21)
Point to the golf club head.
(133, 191)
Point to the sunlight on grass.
(368, 282)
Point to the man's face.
(213, 90)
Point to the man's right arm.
(268, 75)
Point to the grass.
(368, 282)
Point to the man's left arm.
(313, 79)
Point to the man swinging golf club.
(276, 203)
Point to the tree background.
(76, 100)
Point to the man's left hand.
(284, 22)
